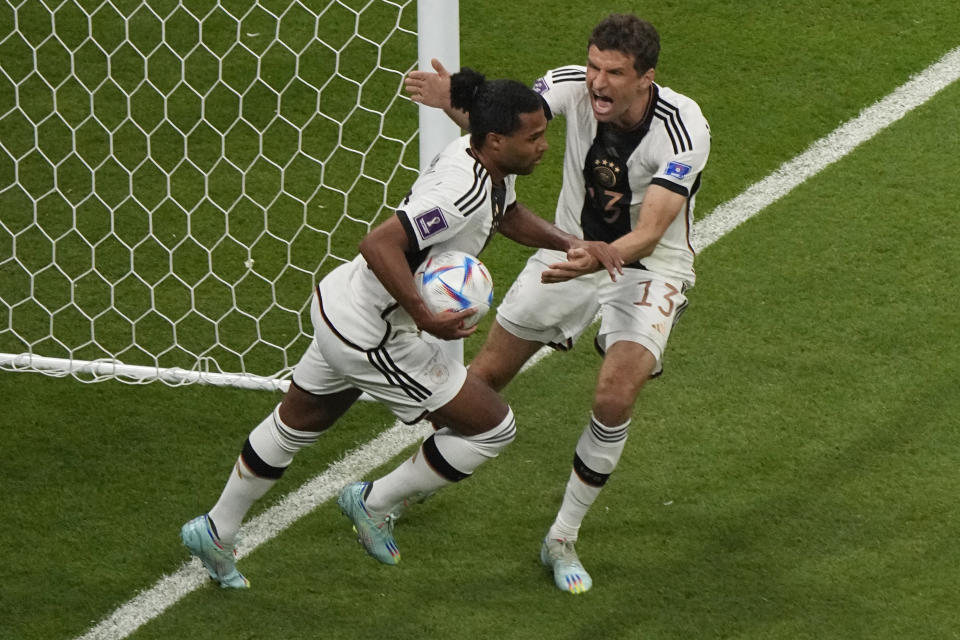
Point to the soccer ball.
(454, 281)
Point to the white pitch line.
(827, 150)
(171, 588)
(191, 575)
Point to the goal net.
(175, 175)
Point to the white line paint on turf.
(191, 575)
(171, 588)
(828, 150)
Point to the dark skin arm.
(383, 248)
(522, 225)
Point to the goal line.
(181, 174)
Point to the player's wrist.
(419, 311)
(572, 242)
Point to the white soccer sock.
(267, 453)
(413, 479)
(443, 458)
(597, 454)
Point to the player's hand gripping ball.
(454, 281)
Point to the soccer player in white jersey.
(634, 155)
(367, 317)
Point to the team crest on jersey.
(430, 222)
(540, 86)
(605, 172)
(678, 170)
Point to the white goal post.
(175, 175)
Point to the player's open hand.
(578, 263)
(606, 255)
(582, 259)
(447, 325)
(431, 89)
(585, 257)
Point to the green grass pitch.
(793, 475)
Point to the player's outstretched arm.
(660, 207)
(522, 225)
(433, 90)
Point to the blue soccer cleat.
(374, 531)
(217, 557)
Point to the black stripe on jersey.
(474, 197)
(673, 124)
(673, 140)
(480, 195)
(404, 218)
(696, 185)
(568, 74)
(415, 256)
(383, 363)
(679, 120)
(672, 186)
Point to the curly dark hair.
(628, 34)
(494, 106)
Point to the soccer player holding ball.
(634, 155)
(367, 318)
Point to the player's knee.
(485, 369)
(307, 412)
(615, 396)
(612, 405)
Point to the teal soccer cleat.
(568, 572)
(217, 557)
(374, 531)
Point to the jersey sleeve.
(679, 168)
(560, 88)
(437, 212)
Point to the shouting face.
(619, 95)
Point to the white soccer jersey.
(452, 205)
(669, 148)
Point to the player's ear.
(493, 141)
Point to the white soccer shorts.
(406, 373)
(641, 306)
